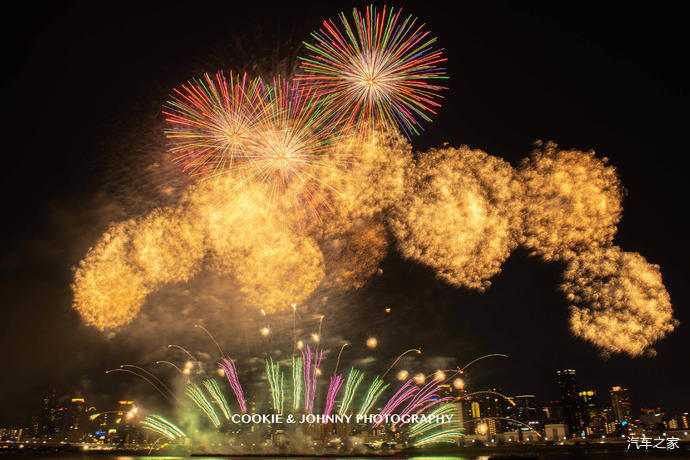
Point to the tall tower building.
(620, 402)
(573, 412)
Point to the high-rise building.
(50, 422)
(74, 420)
(620, 403)
(589, 406)
(573, 411)
(552, 412)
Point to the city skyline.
(520, 418)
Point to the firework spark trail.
(376, 388)
(354, 378)
(228, 366)
(196, 394)
(463, 218)
(381, 71)
(317, 364)
(214, 390)
(160, 425)
(431, 403)
(146, 379)
(417, 350)
(404, 393)
(163, 385)
(296, 382)
(618, 301)
(426, 397)
(211, 120)
(449, 436)
(306, 370)
(310, 375)
(333, 388)
(276, 382)
(421, 427)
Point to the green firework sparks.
(427, 432)
(214, 390)
(276, 381)
(161, 426)
(296, 382)
(375, 389)
(354, 378)
(196, 394)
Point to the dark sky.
(82, 88)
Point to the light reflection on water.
(494, 456)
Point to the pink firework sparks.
(228, 367)
(333, 389)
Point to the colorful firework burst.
(210, 121)
(382, 69)
(289, 149)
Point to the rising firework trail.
(161, 426)
(228, 366)
(376, 388)
(159, 381)
(297, 382)
(196, 394)
(127, 371)
(217, 395)
(417, 350)
(333, 389)
(354, 378)
(276, 382)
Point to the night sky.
(82, 88)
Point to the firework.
(228, 366)
(211, 120)
(404, 393)
(449, 436)
(196, 394)
(296, 382)
(572, 202)
(353, 255)
(160, 425)
(425, 398)
(619, 301)
(276, 382)
(463, 217)
(382, 70)
(168, 246)
(333, 388)
(376, 388)
(354, 378)
(272, 265)
(423, 426)
(289, 152)
(310, 372)
(217, 395)
(108, 289)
